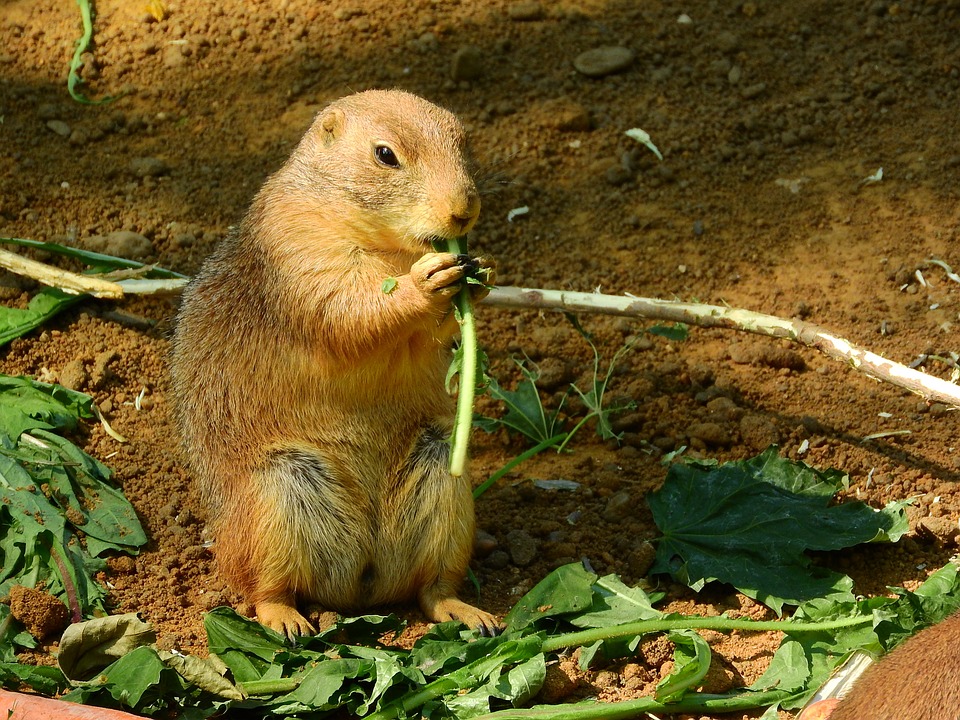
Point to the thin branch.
(67, 281)
(931, 388)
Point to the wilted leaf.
(88, 647)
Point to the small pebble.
(468, 64)
(525, 11)
(74, 375)
(122, 243)
(59, 127)
(710, 433)
(619, 506)
(148, 167)
(603, 61)
(522, 547)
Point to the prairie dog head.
(391, 165)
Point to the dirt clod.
(42, 615)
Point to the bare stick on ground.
(931, 388)
(67, 281)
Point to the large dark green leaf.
(751, 523)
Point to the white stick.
(67, 281)
(929, 387)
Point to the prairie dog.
(919, 680)
(310, 401)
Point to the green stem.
(720, 623)
(269, 687)
(522, 457)
(73, 78)
(693, 703)
(460, 442)
(68, 578)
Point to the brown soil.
(769, 115)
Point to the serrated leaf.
(515, 686)
(525, 413)
(803, 662)
(321, 685)
(616, 604)
(750, 524)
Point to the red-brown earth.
(770, 117)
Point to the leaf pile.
(451, 673)
(59, 512)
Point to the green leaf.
(750, 524)
(803, 662)
(676, 332)
(44, 305)
(616, 604)
(389, 285)
(130, 677)
(226, 631)
(525, 413)
(446, 646)
(77, 484)
(691, 661)
(517, 685)
(40, 678)
(593, 397)
(27, 404)
(568, 589)
(59, 510)
(320, 687)
(12, 636)
(94, 259)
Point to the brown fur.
(312, 404)
(920, 680)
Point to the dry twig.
(931, 388)
(67, 281)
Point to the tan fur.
(920, 680)
(311, 403)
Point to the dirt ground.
(770, 117)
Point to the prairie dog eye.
(386, 156)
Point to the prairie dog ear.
(331, 125)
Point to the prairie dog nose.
(465, 211)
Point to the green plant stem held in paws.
(467, 354)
